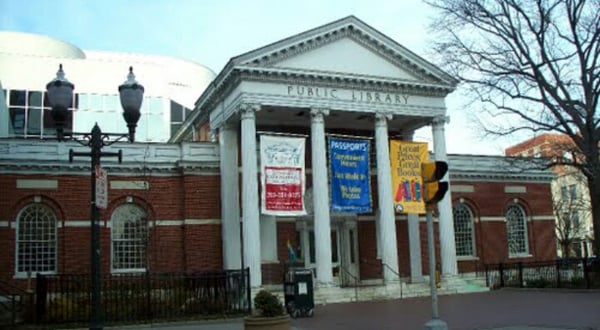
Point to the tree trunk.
(594, 187)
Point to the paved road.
(505, 310)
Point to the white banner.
(101, 187)
(282, 175)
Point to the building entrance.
(344, 248)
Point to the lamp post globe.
(60, 96)
(131, 94)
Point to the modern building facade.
(191, 204)
(28, 62)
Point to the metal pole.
(96, 313)
(435, 323)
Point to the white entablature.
(345, 66)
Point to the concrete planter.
(267, 323)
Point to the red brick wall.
(173, 247)
(490, 200)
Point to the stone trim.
(489, 219)
(462, 188)
(515, 189)
(37, 184)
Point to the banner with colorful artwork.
(349, 175)
(282, 175)
(407, 185)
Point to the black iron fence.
(577, 273)
(131, 298)
(15, 305)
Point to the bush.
(267, 304)
(538, 283)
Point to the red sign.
(283, 188)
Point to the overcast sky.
(210, 32)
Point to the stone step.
(394, 290)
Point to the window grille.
(36, 240)
(463, 230)
(129, 238)
(516, 230)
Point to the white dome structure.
(27, 44)
(28, 62)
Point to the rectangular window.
(176, 112)
(83, 102)
(111, 103)
(35, 99)
(155, 105)
(34, 121)
(564, 193)
(17, 120)
(573, 192)
(17, 98)
(95, 102)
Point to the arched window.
(129, 238)
(463, 231)
(36, 240)
(516, 230)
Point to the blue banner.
(349, 175)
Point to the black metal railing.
(581, 273)
(138, 298)
(16, 305)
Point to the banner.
(407, 184)
(282, 175)
(349, 175)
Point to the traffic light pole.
(435, 323)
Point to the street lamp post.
(60, 96)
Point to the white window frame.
(122, 215)
(51, 242)
(522, 231)
(471, 220)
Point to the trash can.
(298, 292)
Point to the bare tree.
(534, 66)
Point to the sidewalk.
(495, 310)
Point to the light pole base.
(436, 324)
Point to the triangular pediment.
(346, 56)
(347, 47)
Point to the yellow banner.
(407, 184)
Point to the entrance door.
(344, 249)
(348, 241)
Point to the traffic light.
(433, 189)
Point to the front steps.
(393, 290)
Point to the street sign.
(101, 187)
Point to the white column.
(321, 198)
(250, 212)
(230, 205)
(387, 217)
(414, 239)
(445, 219)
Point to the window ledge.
(467, 258)
(24, 276)
(517, 256)
(127, 271)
